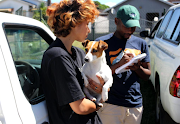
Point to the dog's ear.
(103, 45)
(85, 43)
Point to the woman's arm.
(84, 106)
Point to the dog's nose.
(86, 60)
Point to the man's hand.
(126, 58)
(135, 66)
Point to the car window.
(176, 36)
(26, 45)
(27, 48)
(172, 31)
(164, 24)
(155, 29)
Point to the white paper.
(133, 60)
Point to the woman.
(61, 78)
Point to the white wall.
(144, 7)
(102, 24)
(16, 4)
(37, 2)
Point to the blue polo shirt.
(125, 90)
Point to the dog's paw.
(104, 95)
(105, 98)
(100, 104)
(93, 99)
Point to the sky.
(110, 3)
(106, 2)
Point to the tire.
(158, 106)
(162, 117)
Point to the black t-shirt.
(62, 83)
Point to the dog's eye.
(94, 51)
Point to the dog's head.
(94, 49)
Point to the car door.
(27, 44)
(164, 55)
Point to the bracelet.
(97, 106)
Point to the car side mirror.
(144, 33)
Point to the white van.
(164, 48)
(22, 43)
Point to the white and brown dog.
(96, 65)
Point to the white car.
(22, 43)
(164, 51)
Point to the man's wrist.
(138, 69)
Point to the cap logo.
(132, 15)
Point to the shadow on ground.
(149, 104)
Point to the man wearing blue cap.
(124, 105)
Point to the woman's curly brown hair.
(69, 13)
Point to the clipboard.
(133, 60)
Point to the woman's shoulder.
(55, 53)
(79, 50)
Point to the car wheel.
(162, 117)
(158, 104)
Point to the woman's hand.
(96, 86)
